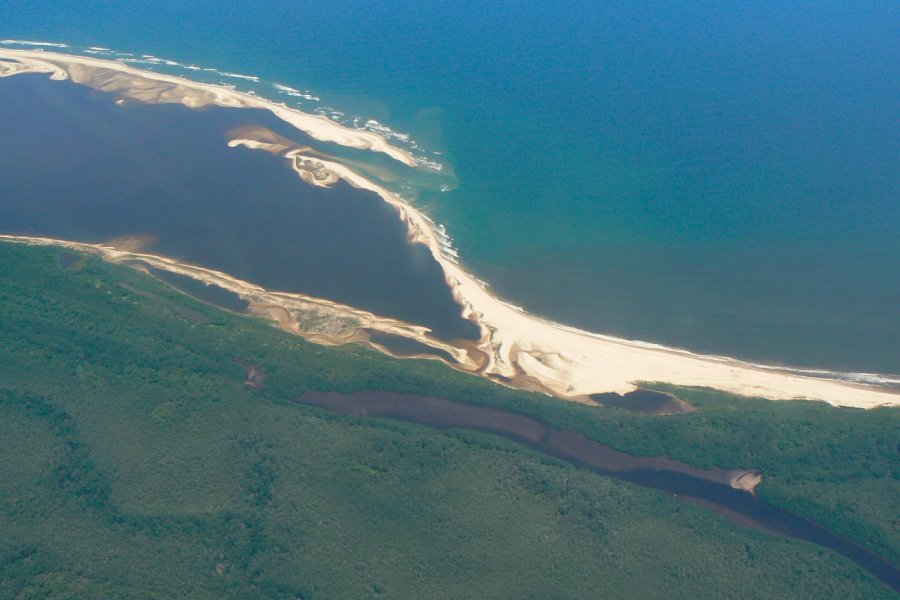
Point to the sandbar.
(148, 86)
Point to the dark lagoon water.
(707, 488)
(716, 176)
(77, 166)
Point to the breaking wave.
(252, 78)
(30, 43)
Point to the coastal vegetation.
(137, 462)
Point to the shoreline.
(130, 83)
(523, 350)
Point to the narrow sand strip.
(316, 319)
(147, 86)
(524, 350)
(538, 354)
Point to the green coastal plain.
(135, 462)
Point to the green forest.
(136, 463)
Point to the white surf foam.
(879, 379)
(152, 62)
(252, 78)
(31, 43)
(286, 89)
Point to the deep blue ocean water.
(716, 176)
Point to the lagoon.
(81, 167)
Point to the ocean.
(718, 177)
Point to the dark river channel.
(710, 488)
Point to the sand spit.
(540, 355)
(516, 348)
(146, 86)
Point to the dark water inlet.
(68, 259)
(646, 402)
(709, 488)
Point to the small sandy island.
(516, 348)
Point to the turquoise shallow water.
(716, 177)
